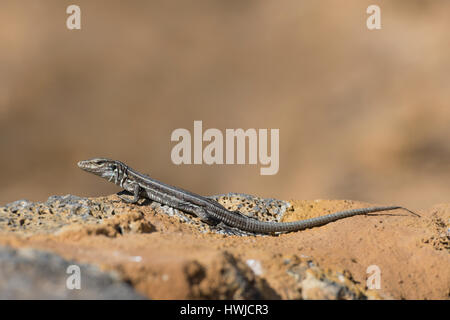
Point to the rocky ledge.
(151, 251)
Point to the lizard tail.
(269, 227)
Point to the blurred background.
(362, 114)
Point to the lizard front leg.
(136, 192)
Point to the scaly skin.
(206, 209)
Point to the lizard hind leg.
(198, 211)
(205, 217)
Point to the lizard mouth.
(102, 167)
(84, 164)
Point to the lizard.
(206, 209)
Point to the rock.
(226, 278)
(166, 254)
(316, 283)
(33, 274)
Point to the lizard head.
(105, 168)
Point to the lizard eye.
(99, 162)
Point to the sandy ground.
(165, 259)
